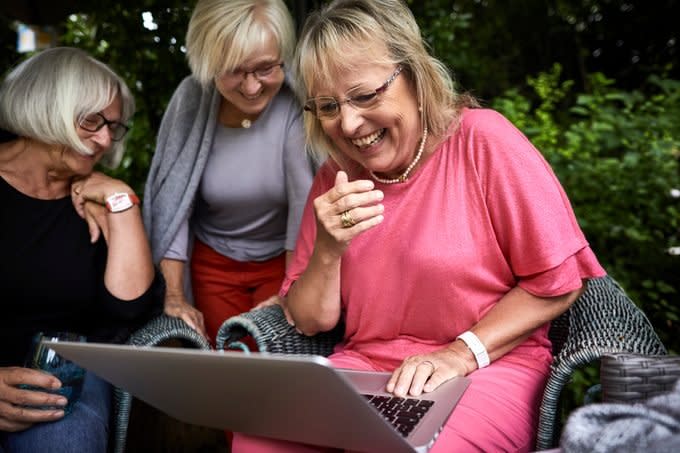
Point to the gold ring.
(347, 219)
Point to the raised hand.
(89, 195)
(347, 210)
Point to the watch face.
(119, 202)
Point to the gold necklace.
(404, 176)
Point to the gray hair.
(359, 25)
(45, 97)
(222, 33)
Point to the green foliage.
(617, 155)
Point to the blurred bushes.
(617, 155)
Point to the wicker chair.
(602, 321)
(634, 378)
(155, 332)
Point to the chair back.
(603, 320)
(272, 333)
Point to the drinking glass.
(41, 357)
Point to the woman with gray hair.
(73, 250)
(437, 232)
(230, 176)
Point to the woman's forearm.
(314, 299)
(129, 268)
(515, 317)
(173, 273)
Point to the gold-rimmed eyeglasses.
(328, 107)
(93, 122)
(261, 73)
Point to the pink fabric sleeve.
(532, 217)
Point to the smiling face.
(383, 138)
(247, 90)
(99, 142)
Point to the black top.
(6, 136)
(52, 277)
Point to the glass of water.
(41, 357)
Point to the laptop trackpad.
(367, 381)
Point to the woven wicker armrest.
(631, 378)
(272, 333)
(602, 321)
(155, 332)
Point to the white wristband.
(477, 348)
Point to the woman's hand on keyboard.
(425, 372)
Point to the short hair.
(222, 33)
(45, 97)
(359, 24)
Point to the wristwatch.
(121, 201)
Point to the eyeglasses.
(260, 74)
(327, 107)
(95, 121)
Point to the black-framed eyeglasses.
(93, 122)
(261, 73)
(328, 107)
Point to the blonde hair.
(359, 25)
(222, 33)
(45, 96)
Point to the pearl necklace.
(404, 176)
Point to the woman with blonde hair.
(230, 175)
(437, 233)
(62, 112)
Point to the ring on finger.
(431, 365)
(76, 190)
(347, 220)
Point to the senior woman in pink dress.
(436, 229)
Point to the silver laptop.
(297, 398)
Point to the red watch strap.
(121, 201)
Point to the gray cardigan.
(182, 147)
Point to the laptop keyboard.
(403, 413)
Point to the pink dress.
(485, 213)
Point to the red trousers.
(224, 287)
